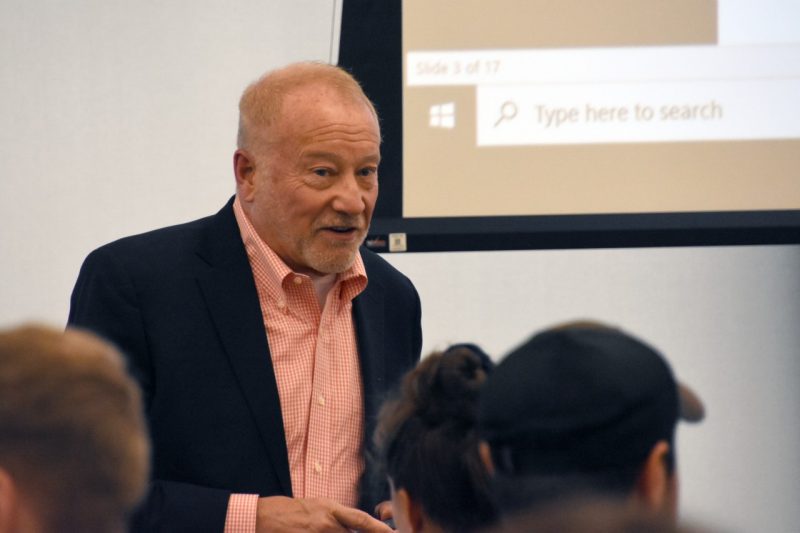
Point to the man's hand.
(279, 514)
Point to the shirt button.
(321, 400)
(317, 467)
(297, 280)
(281, 304)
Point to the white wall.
(118, 117)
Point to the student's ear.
(8, 502)
(655, 486)
(486, 456)
(410, 509)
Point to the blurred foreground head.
(429, 448)
(74, 450)
(583, 409)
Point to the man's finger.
(359, 520)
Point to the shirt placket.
(300, 310)
(319, 427)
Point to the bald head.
(261, 103)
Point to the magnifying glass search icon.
(507, 112)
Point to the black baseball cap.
(581, 397)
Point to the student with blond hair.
(73, 444)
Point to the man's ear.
(654, 488)
(244, 168)
(485, 453)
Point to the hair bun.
(448, 392)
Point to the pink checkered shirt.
(315, 358)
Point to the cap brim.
(691, 406)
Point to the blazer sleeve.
(105, 301)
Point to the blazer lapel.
(232, 300)
(369, 315)
(368, 312)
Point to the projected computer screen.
(530, 108)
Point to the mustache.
(357, 221)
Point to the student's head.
(428, 446)
(73, 445)
(307, 165)
(579, 409)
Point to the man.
(583, 410)
(73, 444)
(264, 337)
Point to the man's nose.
(349, 196)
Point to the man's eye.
(324, 172)
(367, 172)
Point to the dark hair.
(514, 493)
(592, 515)
(427, 443)
(516, 489)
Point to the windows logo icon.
(442, 115)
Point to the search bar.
(581, 113)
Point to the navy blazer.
(181, 304)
